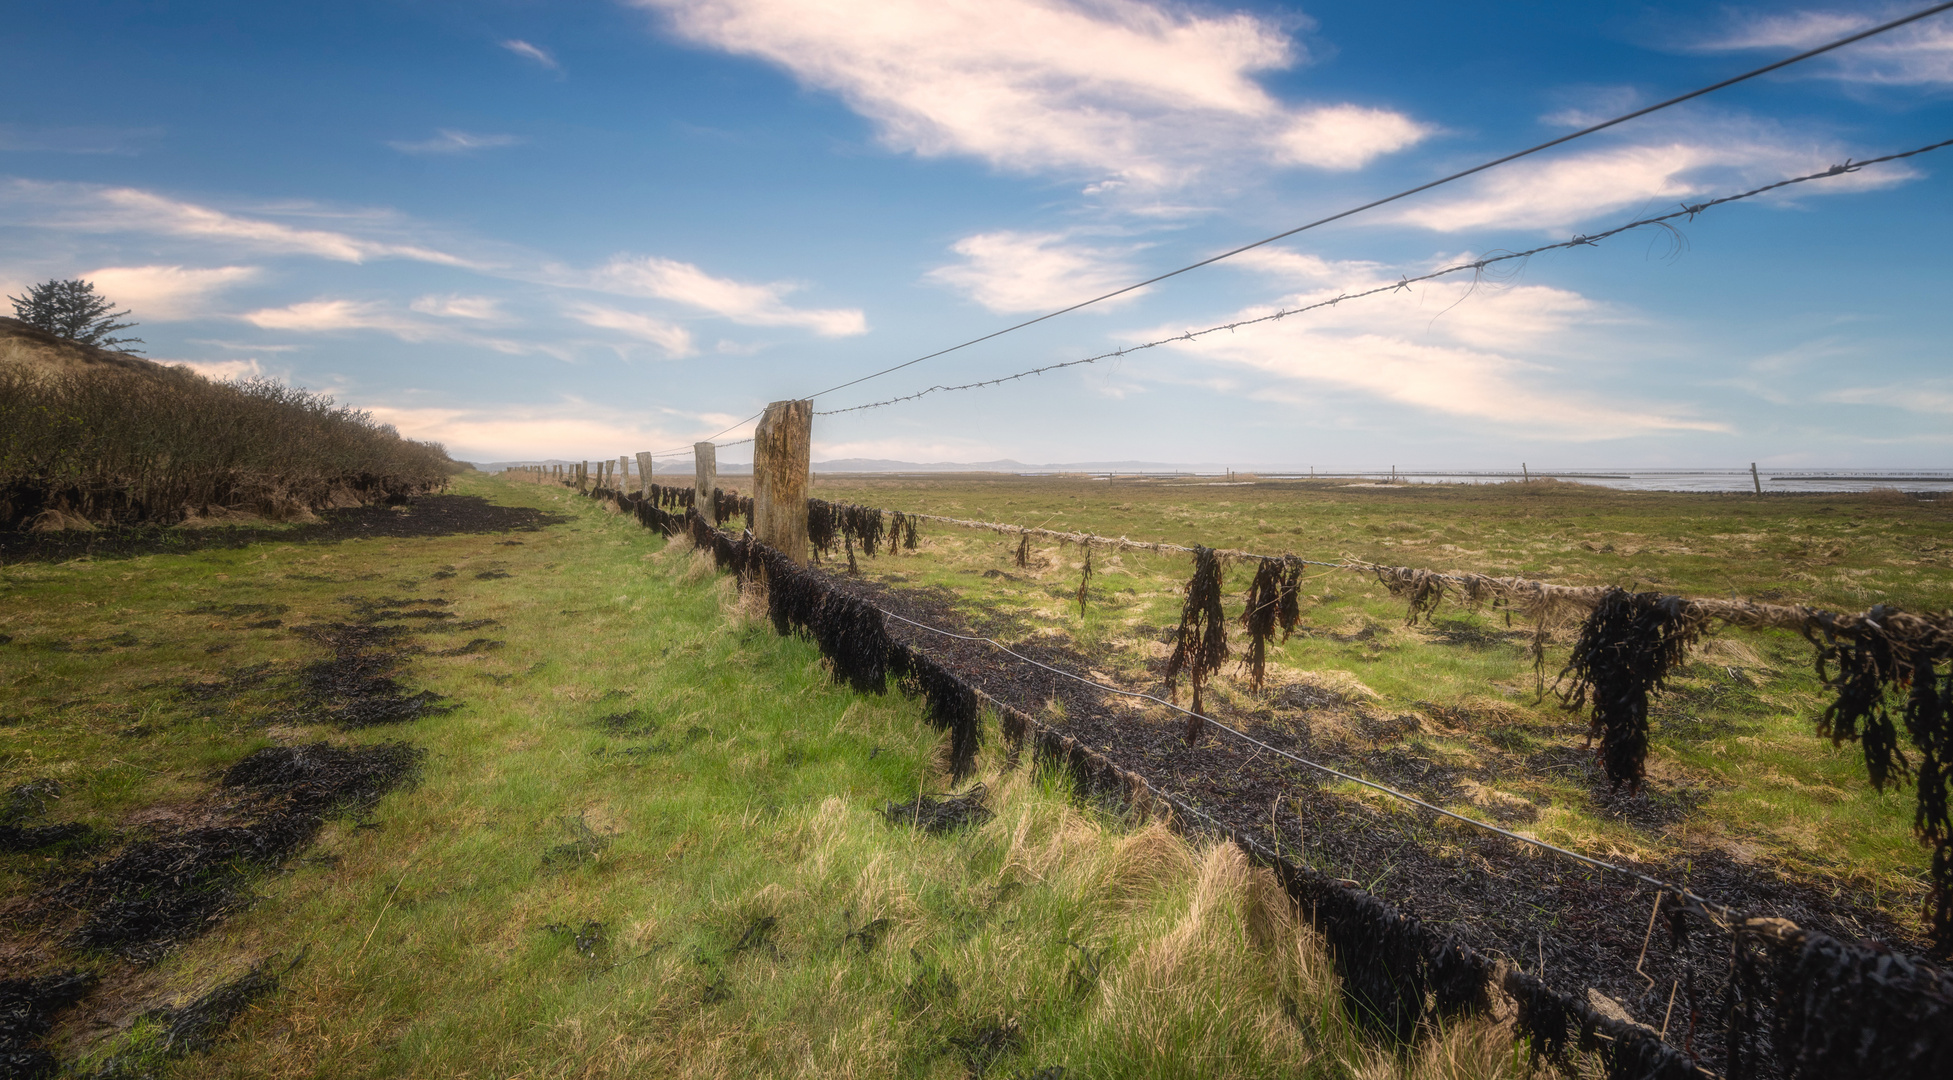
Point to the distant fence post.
(780, 461)
(705, 473)
(644, 473)
(1755, 479)
(583, 477)
(623, 473)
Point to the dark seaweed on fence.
(1872, 658)
(1261, 616)
(953, 705)
(1200, 644)
(1628, 646)
(1851, 1011)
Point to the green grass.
(740, 842)
(1737, 726)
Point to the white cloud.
(166, 293)
(563, 429)
(221, 369)
(1935, 398)
(449, 141)
(1125, 89)
(477, 308)
(532, 52)
(1346, 136)
(1920, 54)
(742, 302)
(1014, 271)
(97, 209)
(675, 340)
(1494, 359)
(341, 316)
(1558, 193)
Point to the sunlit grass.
(740, 860)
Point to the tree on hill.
(71, 309)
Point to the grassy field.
(1735, 764)
(649, 841)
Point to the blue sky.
(581, 229)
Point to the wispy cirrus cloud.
(1920, 54)
(167, 293)
(345, 316)
(534, 53)
(94, 208)
(742, 302)
(1144, 93)
(1698, 158)
(674, 339)
(1497, 358)
(450, 141)
(1018, 271)
(1932, 396)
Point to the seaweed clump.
(173, 885)
(1200, 644)
(1886, 650)
(1273, 603)
(941, 815)
(952, 704)
(1628, 646)
(27, 1011)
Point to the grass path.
(648, 843)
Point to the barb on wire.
(1318, 766)
(1678, 99)
(1406, 281)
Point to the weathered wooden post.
(1757, 480)
(644, 473)
(583, 478)
(705, 473)
(780, 462)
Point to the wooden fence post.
(705, 473)
(583, 478)
(780, 462)
(1755, 479)
(644, 473)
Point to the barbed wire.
(1688, 210)
(1426, 186)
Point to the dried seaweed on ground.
(588, 939)
(172, 885)
(1628, 646)
(27, 1011)
(1261, 616)
(1200, 643)
(940, 815)
(584, 843)
(356, 688)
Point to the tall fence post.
(644, 473)
(780, 462)
(583, 478)
(1755, 479)
(705, 473)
